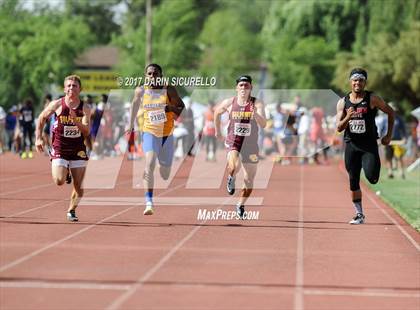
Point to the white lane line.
(6, 179)
(123, 298)
(26, 189)
(298, 302)
(55, 243)
(54, 202)
(366, 191)
(63, 285)
(120, 300)
(127, 248)
(167, 200)
(39, 284)
(33, 209)
(366, 293)
(400, 228)
(51, 245)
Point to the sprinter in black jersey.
(356, 116)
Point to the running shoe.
(71, 216)
(240, 210)
(68, 177)
(230, 185)
(24, 155)
(149, 208)
(30, 155)
(358, 219)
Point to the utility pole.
(148, 32)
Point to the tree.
(301, 38)
(228, 48)
(176, 26)
(392, 65)
(35, 50)
(97, 14)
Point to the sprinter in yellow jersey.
(160, 105)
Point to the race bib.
(27, 116)
(357, 126)
(71, 132)
(242, 129)
(157, 117)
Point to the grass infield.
(403, 195)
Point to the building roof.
(103, 57)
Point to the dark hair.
(104, 98)
(154, 66)
(48, 97)
(28, 101)
(358, 71)
(244, 78)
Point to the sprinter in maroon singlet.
(246, 113)
(69, 131)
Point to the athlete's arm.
(42, 118)
(377, 102)
(220, 109)
(343, 117)
(177, 105)
(84, 124)
(259, 115)
(135, 105)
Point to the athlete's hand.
(39, 144)
(385, 140)
(350, 112)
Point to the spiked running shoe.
(358, 219)
(230, 185)
(149, 208)
(71, 216)
(240, 210)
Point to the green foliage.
(403, 195)
(97, 14)
(227, 53)
(303, 44)
(176, 26)
(301, 39)
(36, 50)
(392, 66)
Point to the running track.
(300, 254)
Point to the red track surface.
(300, 254)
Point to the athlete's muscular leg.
(59, 174)
(353, 162)
(148, 176)
(165, 171)
(249, 175)
(234, 162)
(78, 175)
(371, 164)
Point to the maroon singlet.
(242, 133)
(67, 139)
